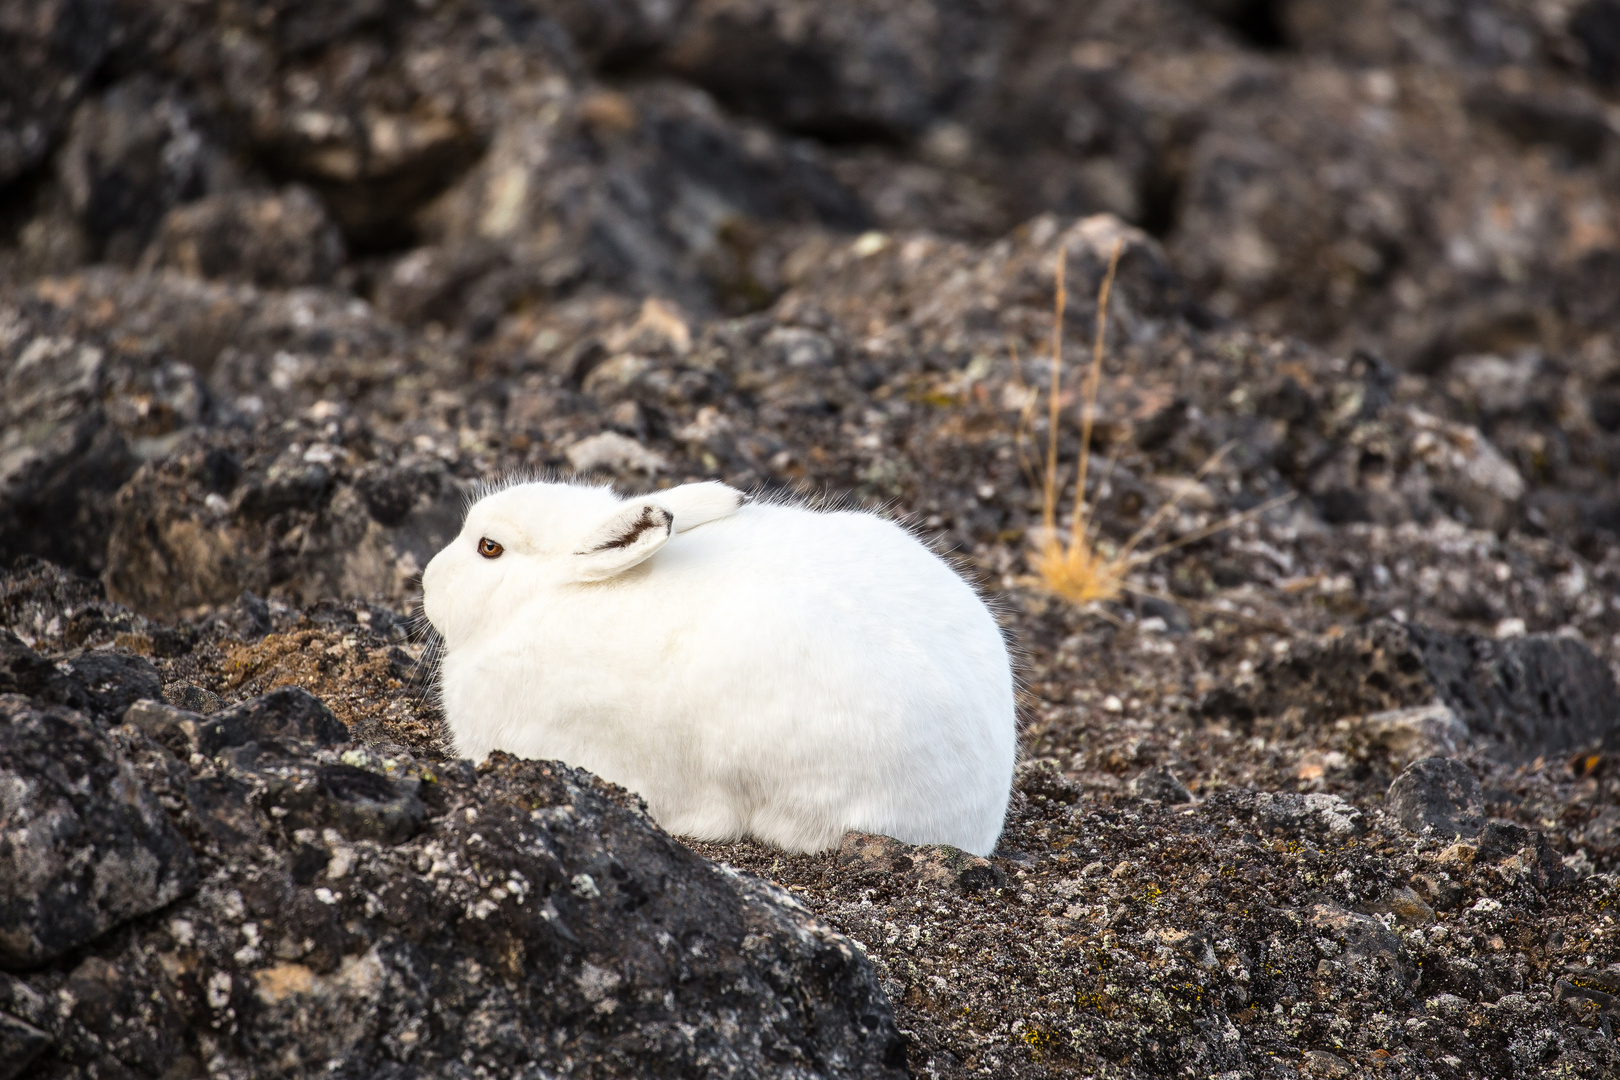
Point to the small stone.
(936, 864)
(1365, 940)
(1322, 1063)
(1407, 735)
(1440, 891)
(1407, 907)
(1440, 794)
(192, 698)
(612, 451)
(1161, 784)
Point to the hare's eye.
(489, 549)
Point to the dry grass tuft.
(1078, 567)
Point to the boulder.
(84, 846)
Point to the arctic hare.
(761, 669)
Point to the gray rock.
(1161, 784)
(531, 917)
(289, 713)
(1501, 840)
(83, 845)
(60, 460)
(1322, 815)
(1523, 698)
(1535, 696)
(931, 864)
(20, 1044)
(1438, 793)
(115, 680)
(52, 48)
(1366, 941)
(282, 239)
(24, 671)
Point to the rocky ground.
(1334, 791)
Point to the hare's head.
(525, 539)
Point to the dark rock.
(1527, 697)
(1503, 840)
(249, 617)
(360, 804)
(1161, 784)
(842, 73)
(115, 680)
(1602, 833)
(52, 47)
(132, 153)
(289, 483)
(24, 671)
(84, 846)
(289, 713)
(1366, 942)
(20, 1044)
(612, 943)
(1438, 793)
(1534, 696)
(282, 239)
(1596, 25)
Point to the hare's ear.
(629, 536)
(698, 504)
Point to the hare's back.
(832, 581)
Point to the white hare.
(760, 669)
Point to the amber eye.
(489, 549)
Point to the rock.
(86, 846)
(115, 680)
(1524, 698)
(613, 452)
(60, 460)
(885, 68)
(1326, 1063)
(1535, 696)
(52, 48)
(20, 1044)
(1366, 942)
(189, 696)
(283, 239)
(1161, 784)
(1438, 793)
(132, 153)
(1602, 833)
(23, 671)
(1528, 850)
(932, 864)
(325, 922)
(1402, 736)
(1407, 907)
(1292, 814)
(289, 713)
(358, 803)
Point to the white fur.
(779, 672)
